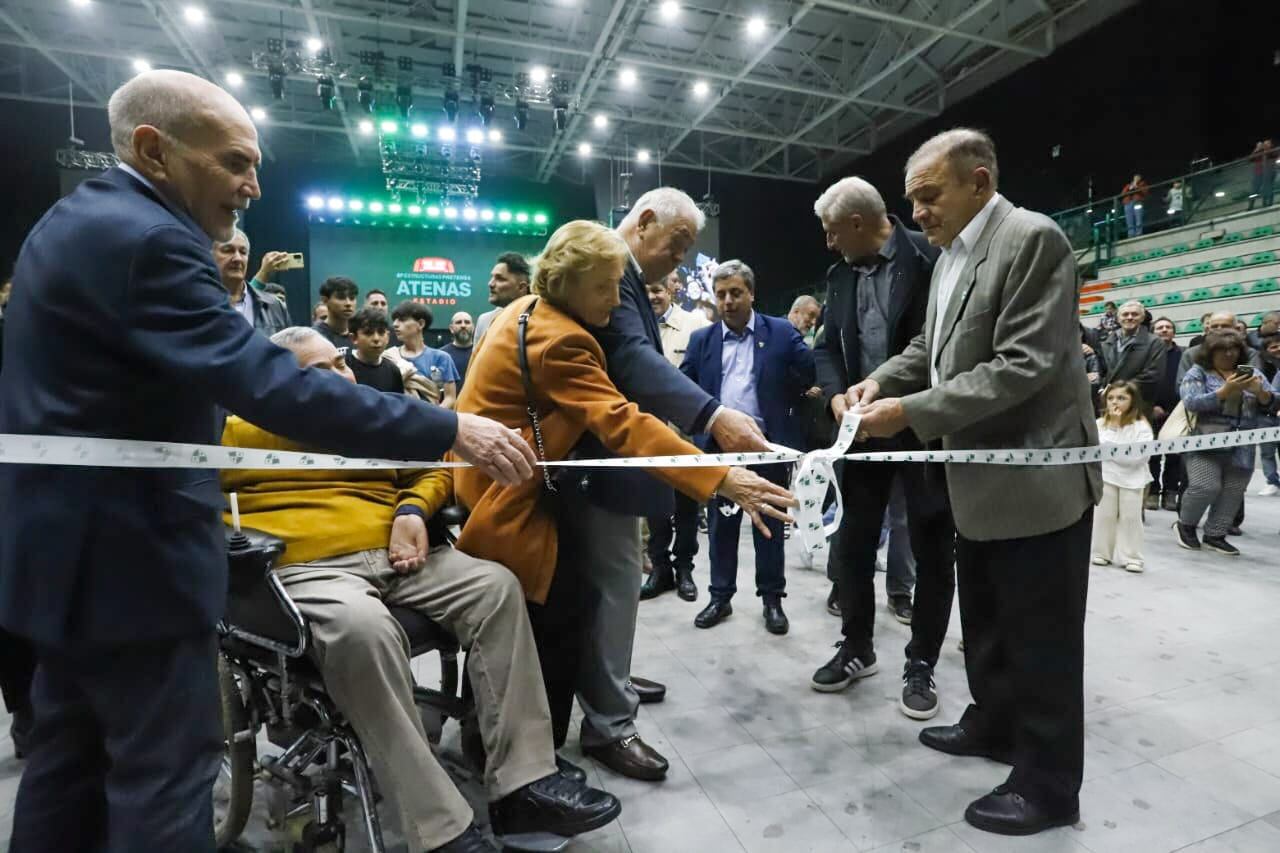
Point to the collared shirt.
(665, 319)
(245, 306)
(951, 264)
(132, 171)
(1126, 340)
(872, 287)
(737, 369)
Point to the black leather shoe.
(713, 614)
(1006, 812)
(554, 804)
(685, 587)
(659, 580)
(470, 841)
(955, 740)
(630, 757)
(775, 621)
(650, 692)
(571, 771)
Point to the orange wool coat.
(574, 395)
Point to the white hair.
(729, 269)
(162, 99)
(237, 233)
(804, 300)
(295, 337)
(666, 203)
(1139, 305)
(847, 197)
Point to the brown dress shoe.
(630, 757)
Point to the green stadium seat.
(1148, 301)
(1129, 279)
(1179, 249)
(1266, 285)
(1150, 276)
(1192, 325)
(1171, 298)
(1200, 293)
(1233, 237)
(1156, 253)
(1262, 258)
(1231, 264)
(1175, 272)
(1262, 231)
(1204, 244)
(1202, 268)
(1230, 290)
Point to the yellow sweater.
(322, 514)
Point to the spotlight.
(315, 202)
(235, 79)
(451, 105)
(366, 127)
(1219, 194)
(415, 210)
(394, 207)
(450, 213)
(486, 215)
(642, 155)
(755, 27)
(522, 114)
(584, 149)
(627, 77)
(487, 109)
(495, 136)
(522, 218)
(404, 99)
(314, 45)
(258, 114)
(276, 78)
(475, 135)
(405, 64)
(446, 134)
(140, 65)
(335, 203)
(364, 94)
(325, 90)
(560, 118)
(194, 15)
(355, 205)
(375, 207)
(504, 216)
(701, 88)
(433, 212)
(538, 74)
(419, 130)
(469, 214)
(80, 4)
(670, 9)
(540, 218)
(389, 127)
(601, 121)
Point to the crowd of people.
(951, 337)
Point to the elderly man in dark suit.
(118, 575)
(1135, 354)
(604, 507)
(988, 372)
(877, 297)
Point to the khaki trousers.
(363, 655)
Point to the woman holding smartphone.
(1224, 395)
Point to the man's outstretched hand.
(498, 451)
(737, 432)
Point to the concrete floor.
(1182, 738)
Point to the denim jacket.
(1200, 396)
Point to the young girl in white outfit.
(1117, 523)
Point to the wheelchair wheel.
(233, 789)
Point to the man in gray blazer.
(995, 368)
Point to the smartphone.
(1244, 370)
(295, 261)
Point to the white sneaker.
(1268, 490)
(1134, 567)
(1101, 561)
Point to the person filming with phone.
(264, 312)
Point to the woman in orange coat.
(575, 286)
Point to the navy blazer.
(632, 346)
(121, 328)
(783, 368)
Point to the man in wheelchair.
(359, 541)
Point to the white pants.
(1117, 526)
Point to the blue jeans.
(1269, 472)
(1133, 217)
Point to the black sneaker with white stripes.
(919, 694)
(843, 669)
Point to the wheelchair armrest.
(454, 515)
(259, 611)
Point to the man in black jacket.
(263, 311)
(877, 297)
(1134, 354)
(1166, 485)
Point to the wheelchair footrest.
(451, 706)
(534, 842)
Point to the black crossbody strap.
(522, 353)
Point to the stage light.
(601, 121)
(140, 65)
(446, 134)
(522, 217)
(394, 207)
(335, 203)
(560, 118)
(701, 88)
(486, 215)
(389, 127)
(522, 114)
(404, 99)
(451, 213)
(419, 130)
(469, 214)
(275, 77)
(584, 149)
(540, 218)
(504, 216)
(487, 110)
(475, 135)
(495, 136)
(538, 75)
(315, 202)
(235, 79)
(326, 91)
(258, 114)
(314, 45)
(642, 155)
(451, 106)
(80, 4)
(627, 77)
(755, 27)
(433, 211)
(670, 9)
(375, 207)
(415, 210)
(355, 205)
(364, 94)
(1219, 194)
(366, 127)
(194, 15)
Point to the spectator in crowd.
(1218, 321)
(759, 365)
(370, 330)
(1117, 523)
(1267, 326)
(1267, 362)
(877, 301)
(1263, 187)
(543, 358)
(804, 315)
(1166, 470)
(987, 373)
(319, 313)
(411, 320)
(278, 291)
(1175, 198)
(508, 281)
(260, 310)
(1225, 394)
(1134, 354)
(1133, 196)
(338, 295)
(391, 552)
(462, 340)
(377, 299)
(271, 263)
(673, 539)
(1109, 324)
(1093, 364)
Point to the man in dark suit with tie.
(122, 329)
(877, 296)
(759, 365)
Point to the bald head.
(462, 328)
(1220, 321)
(193, 142)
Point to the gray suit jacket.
(1008, 376)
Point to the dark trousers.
(866, 489)
(124, 752)
(1168, 481)
(17, 667)
(683, 527)
(770, 552)
(558, 625)
(1022, 605)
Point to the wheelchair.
(267, 680)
